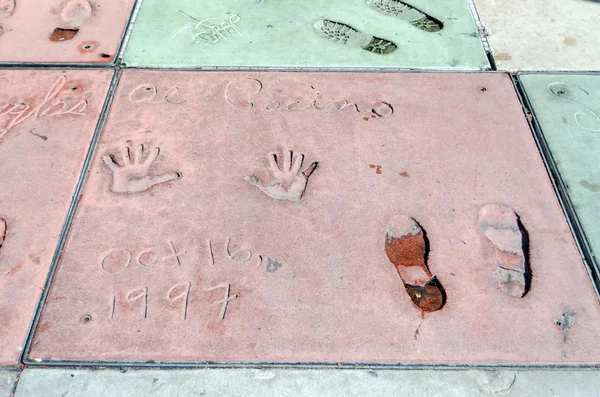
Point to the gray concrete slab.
(7, 382)
(541, 34)
(310, 383)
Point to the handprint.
(132, 176)
(283, 181)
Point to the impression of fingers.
(297, 164)
(2, 230)
(287, 161)
(273, 162)
(311, 168)
(110, 162)
(126, 155)
(165, 178)
(139, 152)
(151, 157)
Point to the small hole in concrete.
(483, 89)
(86, 318)
(104, 55)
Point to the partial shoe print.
(344, 34)
(7, 9)
(501, 226)
(406, 248)
(2, 231)
(73, 15)
(408, 13)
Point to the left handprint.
(132, 176)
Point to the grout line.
(16, 382)
(483, 33)
(305, 69)
(560, 191)
(129, 30)
(170, 365)
(103, 115)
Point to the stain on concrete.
(502, 56)
(593, 187)
(273, 265)
(570, 41)
(377, 168)
(565, 322)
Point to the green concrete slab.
(306, 383)
(567, 108)
(299, 34)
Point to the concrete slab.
(213, 250)
(567, 108)
(293, 34)
(47, 118)
(298, 383)
(62, 31)
(542, 35)
(7, 382)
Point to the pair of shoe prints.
(345, 34)
(407, 248)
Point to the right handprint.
(283, 180)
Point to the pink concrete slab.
(210, 250)
(62, 31)
(47, 118)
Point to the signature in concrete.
(242, 94)
(210, 30)
(149, 93)
(50, 106)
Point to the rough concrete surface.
(47, 118)
(62, 31)
(209, 249)
(7, 382)
(306, 383)
(542, 35)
